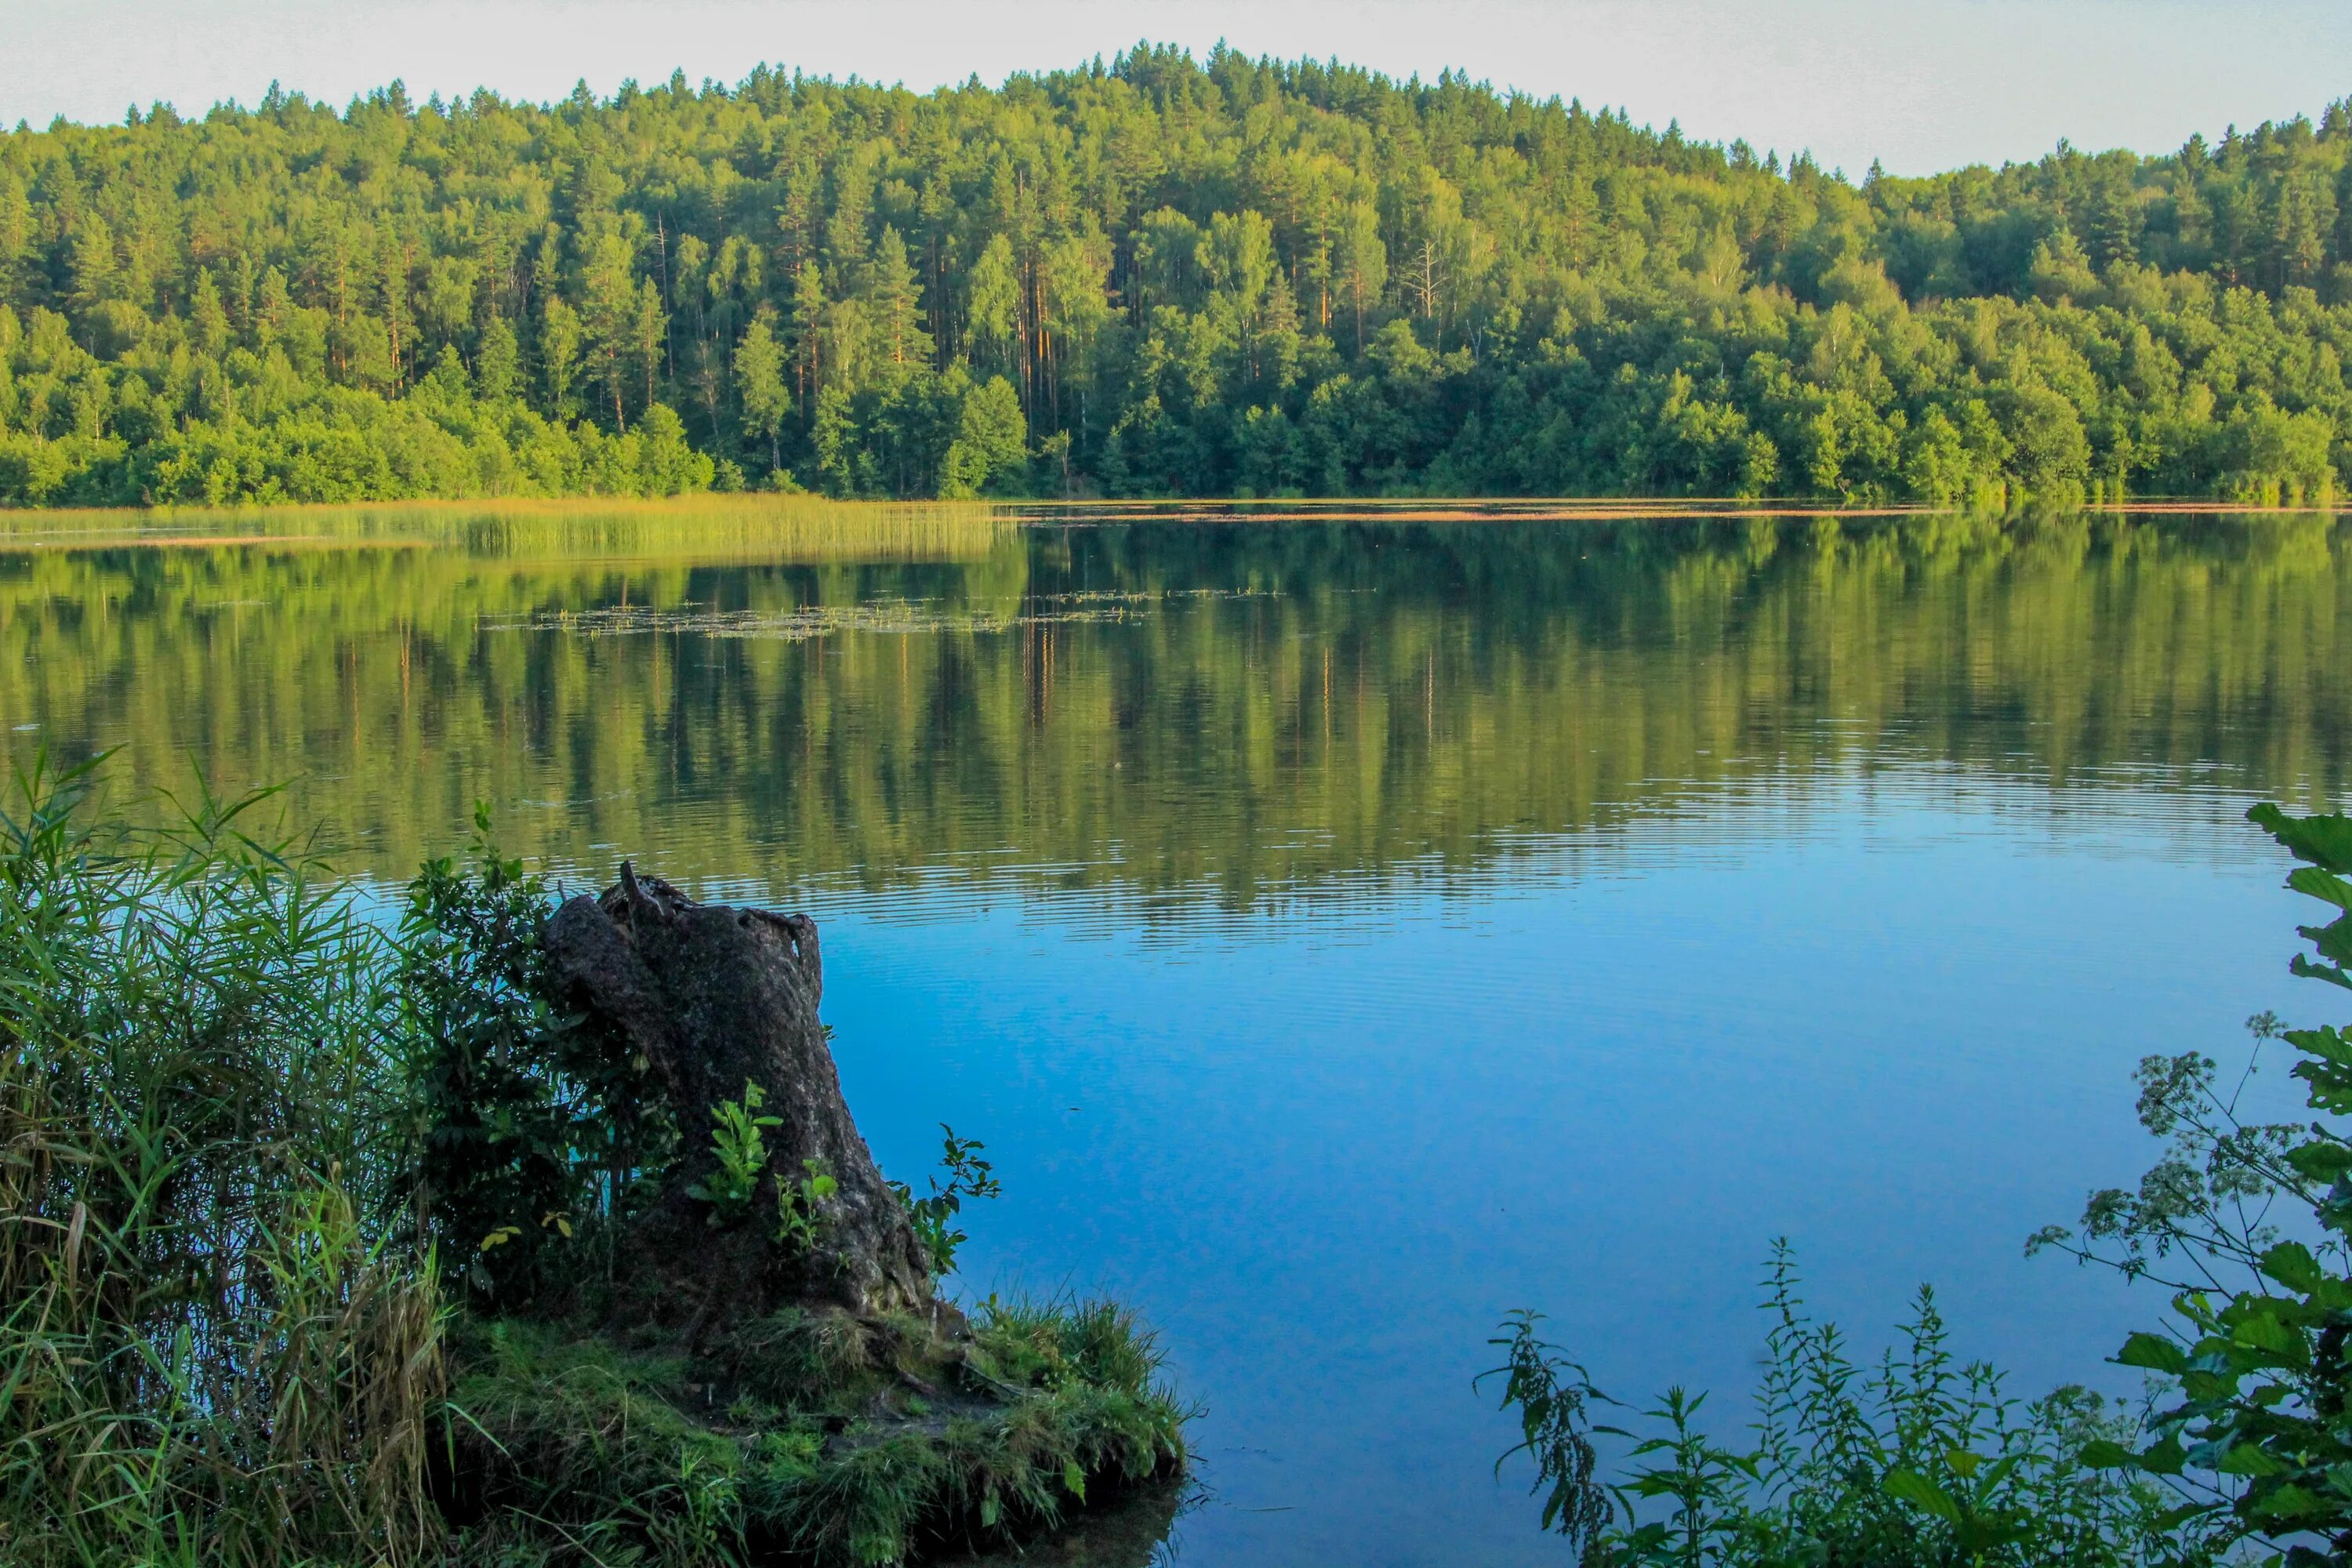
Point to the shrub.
(2249, 1225)
(1920, 1460)
(527, 1130)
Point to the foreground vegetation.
(277, 1287)
(2242, 1453)
(1150, 275)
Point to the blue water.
(1327, 1156)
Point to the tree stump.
(714, 997)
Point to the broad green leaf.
(2102, 1454)
(2321, 1159)
(1074, 1479)
(2291, 1264)
(2325, 1041)
(2325, 841)
(2206, 1387)
(2326, 886)
(1910, 1486)
(2249, 1459)
(2289, 1501)
(2304, 967)
(2153, 1352)
(2264, 1331)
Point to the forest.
(1155, 276)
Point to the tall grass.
(208, 1353)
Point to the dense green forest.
(1146, 277)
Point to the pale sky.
(1921, 84)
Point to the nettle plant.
(1919, 1459)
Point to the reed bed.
(754, 528)
(208, 1354)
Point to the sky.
(1918, 84)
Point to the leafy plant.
(968, 1176)
(1703, 1481)
(800, 1222)
(1550, 1392)
(2250, 1223)
(1921, 1460)
(2246, 1447)
(738, 1139)
(525, 1124)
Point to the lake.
(1345, 925)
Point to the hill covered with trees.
(1151, 275)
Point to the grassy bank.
(235, 1329)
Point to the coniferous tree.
(894, 308)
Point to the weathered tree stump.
(715, 997)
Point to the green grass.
(812, 1436)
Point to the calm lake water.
(1345, 927)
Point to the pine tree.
(1364, 263)
(807, 331)
(894, 306)
(609, 315)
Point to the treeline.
(1153, 276)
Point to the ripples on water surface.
(1349, 924)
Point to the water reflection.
(1180, 717)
